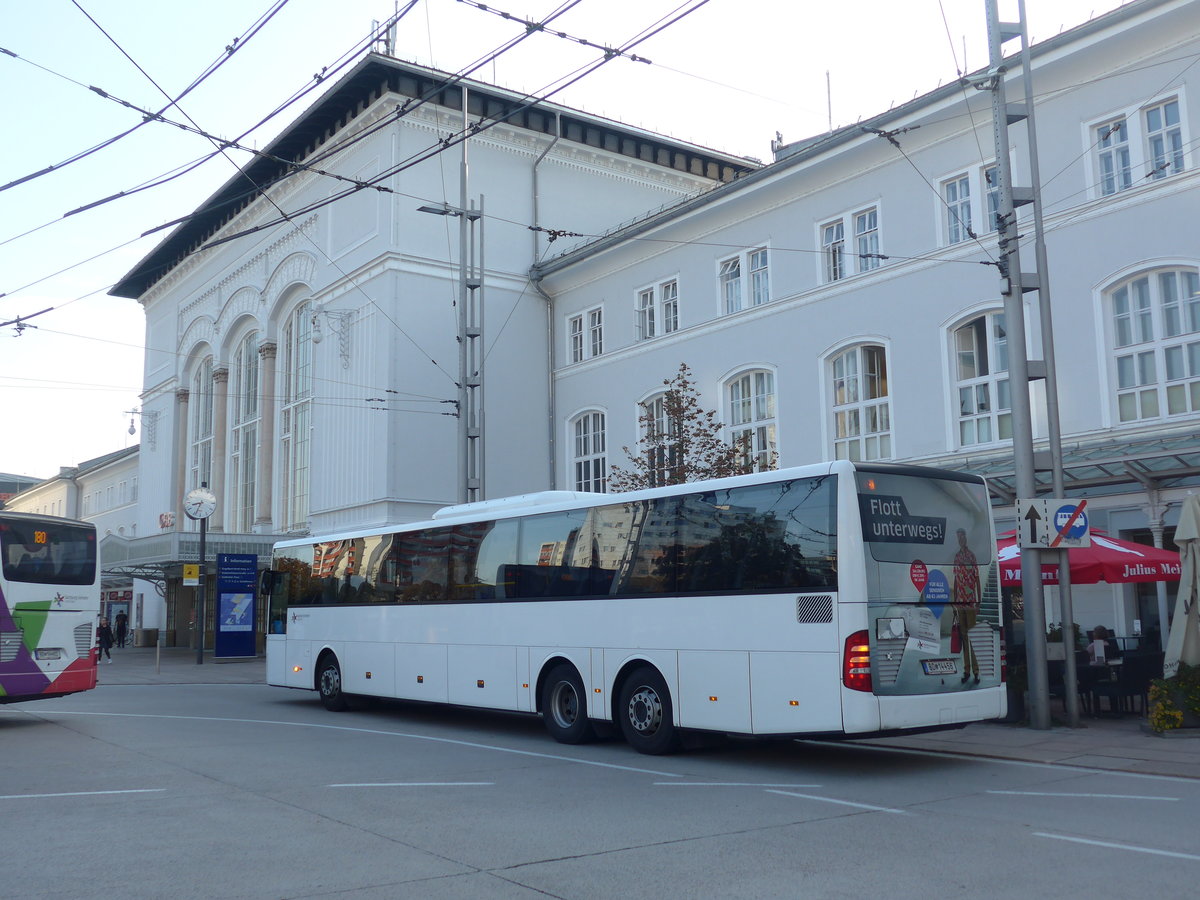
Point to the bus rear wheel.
(564, 706)
(645, 713)
(329, 685)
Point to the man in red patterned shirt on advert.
(966, 597)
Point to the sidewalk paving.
(177, 665)
(1118, 744)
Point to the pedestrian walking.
(122, 627)
(104, 640)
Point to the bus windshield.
(44, 552)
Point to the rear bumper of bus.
(911, 713)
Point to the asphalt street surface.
(178, 780)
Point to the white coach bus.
(837, 599)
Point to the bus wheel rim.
(645, 710)
(564, 704)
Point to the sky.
(730, 75)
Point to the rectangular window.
(1112, 155)
(760, 288)
(833, 246)
(575, 338)
(670, 306)
(1164, 139)
(596, 332)
(957, 195)
(645, 314)
(866, 239)
(730, 278)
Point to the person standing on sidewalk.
(122, 623)
(104, 640)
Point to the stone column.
(220, 427)
(181, 456)
(265, 476)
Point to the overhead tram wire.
(528, 101)
(410, 106)
(223, 150)
(345, 59)
(237, 44)
(399, 396)
(128, 193)
(962, 83)
(482, 125)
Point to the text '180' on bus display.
(49, 601)
(840, 599)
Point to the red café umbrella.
(1109, 559)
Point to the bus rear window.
(906, 518)
(40, 552)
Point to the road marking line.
(732, 784)
(417, 784)
(81, 794)
(48, 716)
(1096, 796)
(1151, 850)
(902, 812)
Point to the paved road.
(231, 789)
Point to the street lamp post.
(199, 504)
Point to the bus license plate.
(939, 666)
(48, 653)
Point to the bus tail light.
(1003, 659)
(856, 662)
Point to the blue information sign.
(237, 578)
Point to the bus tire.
(564, 706)
(645, 713)
(329, 684)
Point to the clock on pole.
(200, 503)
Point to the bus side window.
(423, 560)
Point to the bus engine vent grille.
(814, 608)
(83, 639)
(886, 656)
(10, 645)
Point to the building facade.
(103, 491)
(306, 367)
(842, 301)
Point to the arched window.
(981, 374)
(295, 417)
(752, 418)
(201, 426)
(1156, 344)
(244, 432)
(589, 459)
(862, 421)
(661, 440)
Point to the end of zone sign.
(1053, 524)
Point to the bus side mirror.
(267, 579)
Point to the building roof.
(365, 84)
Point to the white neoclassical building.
(305, 366)
(842, 301)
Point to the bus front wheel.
(645, 713)
(329, 684)
(564, 706)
